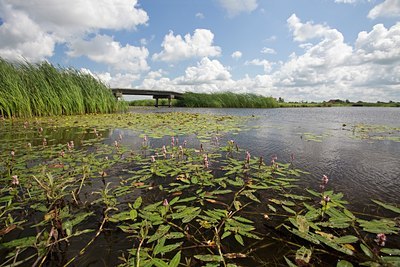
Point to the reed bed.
(41, 89)
(226, 100)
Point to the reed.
(41, 89)
(226, 100)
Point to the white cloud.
(267, 65)
(236, 55)
(176, 48)
(118, 80)
(235, 7)
(347, 1)
(199, 15)
(380, 45)
(206, 72)
(17, 43)
(389, 8)
(103, 49)
(31, 29)
(267, 50)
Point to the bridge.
(119, 92)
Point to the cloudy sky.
(309, 50)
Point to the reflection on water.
(361, 169)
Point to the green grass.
(28, 90)
(226, 100)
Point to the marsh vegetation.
(172, 189)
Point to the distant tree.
(347, 101)
(281, 100)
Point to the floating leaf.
(209, 257)
(344, 263)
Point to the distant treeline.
(28, 90)
(215, 100)
(339, 103)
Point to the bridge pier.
(118, 92)
(156, 97)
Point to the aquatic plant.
(28, 90)
(171, 202)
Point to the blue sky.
(310, 50)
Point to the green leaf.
(209, 257)
(159, 262)
(344, 263)
(133, 214)
(161, 231)
(391, 251)
(289, 262)
(379, 226)
(137, 203)
(168, 248)
(20, 243)
(346, 239)
(387, 206)
(239, 239)
(366, 251)
(175, 260)
(250, 195)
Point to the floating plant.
(64, 184)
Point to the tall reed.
(227, 100)
(41, 89)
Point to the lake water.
(327, 141)
(357, 148)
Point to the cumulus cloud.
(103, 49)
(267, 65)
(176, 48)
(57, 22)
(206, 71)
(388, 8)
(327, 68)
(119, 80)
(380, 45)
(236, 55)
(235, 7)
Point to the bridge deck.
(118, 92)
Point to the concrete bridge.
(119, 92)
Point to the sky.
(300, 50)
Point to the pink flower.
(172, 141)
(248, 156)
(205, 161)
(327, 198)
(381, 239)
(44, 142)
(153, 159)
(62, 153)
(15, 180)
(165, 203)
(12, 153)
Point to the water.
(362, 169)
(323, 141)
